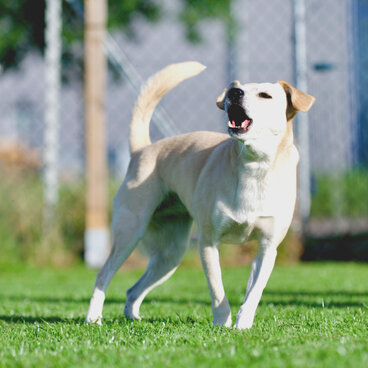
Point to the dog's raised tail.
(155, 88)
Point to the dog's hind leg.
(123, 244)
(165, 243)
(129, 225)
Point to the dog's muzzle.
(235, 95)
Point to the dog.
(235, 187)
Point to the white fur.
(235, 189)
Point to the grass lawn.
(311, 315)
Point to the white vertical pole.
(302, 131)
(237, 41)
(231, 32)
(51, 135)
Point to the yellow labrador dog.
(236, 187)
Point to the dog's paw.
(133, 317)
(227, 323)
(222, 314)
(244, 319)
(130, 313)
(243, 323)
(222, 317)
(240, 326)
(94, 321)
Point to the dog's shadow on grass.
(109, 300)
(332, 298)
(121, 320)
(17, 319)
(315, 299)
(309, 299)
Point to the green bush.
(341, 194)
(20, 214)
(24, 238)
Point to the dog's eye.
(264, 95)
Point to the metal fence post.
(51, 135)
(231, 39)
(237, 61)
(96, 233)
(302, 127)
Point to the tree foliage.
(22, 23)
(22, 29)
(195, 11)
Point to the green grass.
(311, 315)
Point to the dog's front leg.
(260, 272)
(211, 266)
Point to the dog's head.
(258, 113)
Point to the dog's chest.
(235, 214)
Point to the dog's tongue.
(244, 125)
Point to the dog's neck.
(261, 161)
(286, 146)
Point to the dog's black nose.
(235, 95)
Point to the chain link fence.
(261, 48)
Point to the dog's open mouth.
(239, 121)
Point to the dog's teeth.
(245, 123)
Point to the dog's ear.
(296, 100)
(220, 102)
